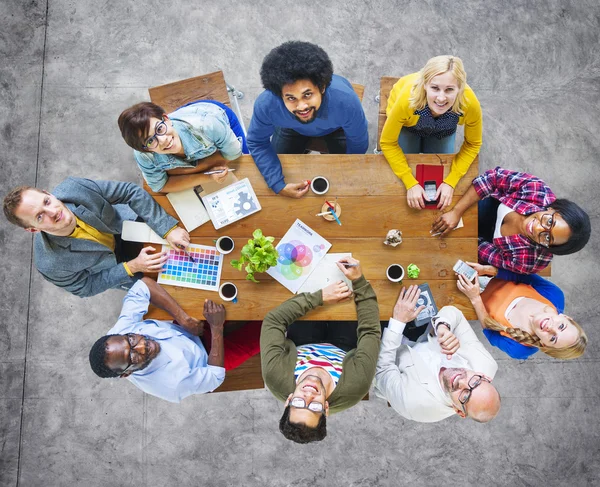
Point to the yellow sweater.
(399, 114)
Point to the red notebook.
(427, 173)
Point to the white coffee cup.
(224, 240)
(394, 269)
(319, 180)
(228, 296)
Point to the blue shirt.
(181, 367)
(545, 288)
(340, 108)
(203, 129)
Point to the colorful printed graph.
(205, 273)
(295, 258)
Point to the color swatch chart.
(205, 273)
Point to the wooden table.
(373, 201)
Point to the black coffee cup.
(225, 244)
(395, 273)
(228, 291)
(319, 185)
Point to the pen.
(186, 253)
(217, 172)
(335, 216)
(322, 214)
(345, 264)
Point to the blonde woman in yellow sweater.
(423, 111)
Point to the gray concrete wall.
(68, 69)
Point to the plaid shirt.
(524, 194)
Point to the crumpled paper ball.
(393, 238)
(413, 271)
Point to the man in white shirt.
(448, 371)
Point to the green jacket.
(278, 354)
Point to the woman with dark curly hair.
(303, 99)
(521, 223)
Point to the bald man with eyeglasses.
(446, 372)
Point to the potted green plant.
(257, 255)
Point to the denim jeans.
(288, 141)
(486, 219)
(414, 144)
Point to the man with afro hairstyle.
(303, 99)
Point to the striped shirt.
(324, 355)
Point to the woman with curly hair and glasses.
(521, 222)
(423, 111)
(522, 314)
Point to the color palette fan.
(205, 273)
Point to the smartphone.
(430, 190)
(465, 270)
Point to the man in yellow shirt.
(77, 231)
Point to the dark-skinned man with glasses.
(168, 359)
(521, 223)
(447, 371)
(173, 150)
(78, 226)
(319, 368)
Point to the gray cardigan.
(83, 267)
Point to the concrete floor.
(68, 69)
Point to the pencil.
(217, 172)
(186, 253)
(335, 216)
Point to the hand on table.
(415, 197)
(444, 193)
(178, 238)
(445, 223)
(354, 271)
(336, 292)
(220, 176)
(214, 314)
(147, 262)
(447, 340)
(295, 190)
(404, 310)
(484, 270)
(470, 289)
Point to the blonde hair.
(434, 67)
(518, 335)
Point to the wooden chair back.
(210, 86)
(317, 144)
(385, 86)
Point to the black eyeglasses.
(299, 403)
(160, 129)
(547, 221)
(465, 394)
(133, 341)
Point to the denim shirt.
(203, 129)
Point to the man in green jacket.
(319, 368)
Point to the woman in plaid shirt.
(521, 223)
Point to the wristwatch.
(439, 323)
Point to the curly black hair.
(98, 357)
(579, 223)
(293, 61)
(300, 433)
